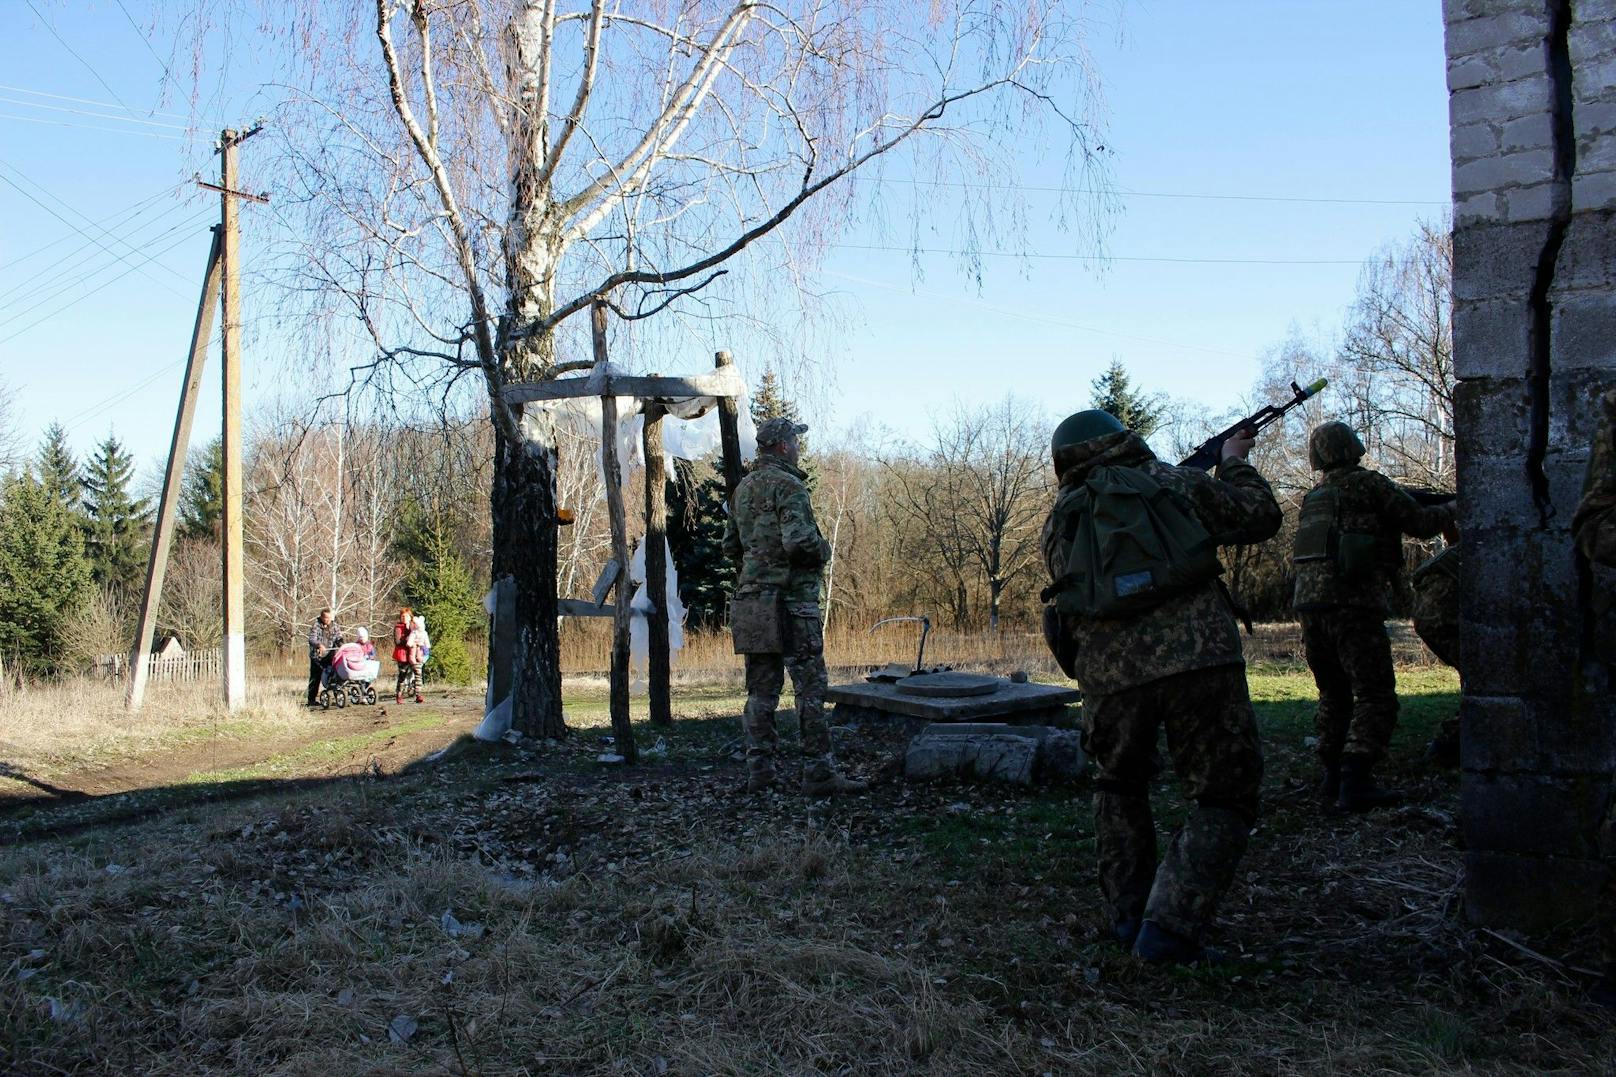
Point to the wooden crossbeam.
(724, 383)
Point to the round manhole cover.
(949, 684)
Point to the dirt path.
(336, 742)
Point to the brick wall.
(1532, 110)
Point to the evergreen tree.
(1114, 392)
(202, 492)
(696, 521)
(769, 402)
(43, 572)
(115, 527)
(59, 470)
(439, 587)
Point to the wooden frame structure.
(655, 395)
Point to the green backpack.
(1131, 544)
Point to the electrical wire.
(93, 127)
(64, 285)
(103, 221)
(156, 254)
(83, 100)
(87, 65)
(46, 276)
(94, 115)
(144, 39)
(1038, 256)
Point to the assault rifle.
(1206, 456)
(1426, 498)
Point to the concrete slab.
(1011, 702)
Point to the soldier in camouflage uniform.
(773, 535)
(1344, 616)
(1593, 531)
(1436, 622)
(1177, 664)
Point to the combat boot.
(1156, 945)
(1330, 785)
(1126, 931)
(821, 779)
(1359, 793)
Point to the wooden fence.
(194, 666)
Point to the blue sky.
(1287, 105)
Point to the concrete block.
(1594, 118)
(991, 757)
(1528, 203)
(1596, 191)
(1593, 79)
(1597, 154)
(1584, 333)
(1532, 893)
(1527, 133)
(1584, 261)
(1490, 417)
(1530, 813)
(1494, 24)
(1498, 102)
(1467, 72)
(1520, 61)
(1061, 757)
(1473, 140)
(1593, 32)
(1490, 338)
(1523, 169)
(1483, 208)
(1494, 733)
(1495, 261)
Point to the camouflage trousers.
(1212, 738)
(1351, 659)
(765, 677)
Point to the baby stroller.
(349, 677)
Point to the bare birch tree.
(462, 178)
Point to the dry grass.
(54, 726)
(654, 922)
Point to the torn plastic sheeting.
(496, 723)
(639, 630)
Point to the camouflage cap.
(1333, 444)
(777, 430)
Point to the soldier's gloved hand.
(1238, 445)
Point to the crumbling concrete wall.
(1532, 111)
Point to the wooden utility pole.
(168, 504)
(729, 432)
(658, 658)
(230, 540)
(622, 729)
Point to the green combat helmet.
(1083, 426)
(1332, 445)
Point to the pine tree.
(43, 572)
(59, 469)
(1114, 392)
(438, 586)
(115, 529)
(202, 492)
(769, 402)
(696, 521)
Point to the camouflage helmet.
(1332, 445)
(1084, 426)
(778, 430)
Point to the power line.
(49, 275)
(1034, 317)
(86, 295)
(104, 220)
(63, 219)
(92, 127)
(94, 115)
(1207, 196)
(84, 101)
(63, 42)
(1039, 256)
(144, 39)
(63, 285)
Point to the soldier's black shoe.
(1126, 931)
(1156, 945)
(1359, 793)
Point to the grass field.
(507, 910)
